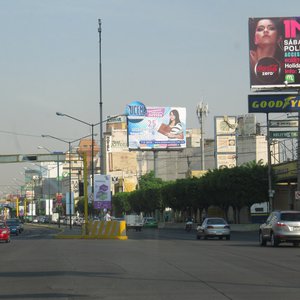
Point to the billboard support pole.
(269, 167)
(155, 156)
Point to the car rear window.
(290, 217)
(216, 221)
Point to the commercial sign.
(226, 161)
(161, 128)
(225, 137)
(269, 103)
(274, 52)
(102, 191)
(283, 134)
(225, 125)
(283, 123)
(285, 170)
(226, 144)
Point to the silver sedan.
(213, 227)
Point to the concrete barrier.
(107, 230)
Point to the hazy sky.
(161, 52)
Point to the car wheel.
(228, 237)
(262, 241)
(7, 241)
(296, 244)
(274, 241)
(205, 237)
(198, 237)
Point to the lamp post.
(49, 191)
(92, 125)
(202, 111)
(70, 179)
(100, 99)
(42, 147)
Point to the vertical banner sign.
(225, 137)
(102, 191)
(274, 52)
(68, 203)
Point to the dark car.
(14, 226)
(281, 227)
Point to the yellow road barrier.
(107, 230)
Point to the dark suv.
(281, 226)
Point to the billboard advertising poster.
(159, 128)
(226, 144)
(225, 125)
(226, 161)
(274, 52)
(102, 191)
(272, 103)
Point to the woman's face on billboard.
(265, 33)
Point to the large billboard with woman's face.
(274, 52)
(161, 128)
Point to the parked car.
(280, 227)
(213, 227)
(150, 222)
(14, 226)
(4, 232)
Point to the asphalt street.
(152, 264)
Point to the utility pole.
(202, 111)
(101, 152)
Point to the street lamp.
(54, 152)
(202, 110)
(92, 125)
(70, 179)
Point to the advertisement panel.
(226, 161)
(102, 191)
(156, 127)
(225, 137)
(225, 125)
(274, 52)
(269, 103)
(226, 144)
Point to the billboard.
(155, 128)
(225, 137)
(272, 103)
(102, 191)
(274, 52)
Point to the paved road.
(152, 264)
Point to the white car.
(213, 227)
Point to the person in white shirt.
(107, 216)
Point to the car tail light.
(210, 227)
(279, 224)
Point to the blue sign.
(136, 109)
(273, 103)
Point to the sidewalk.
(234, 227)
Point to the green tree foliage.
(229, 187)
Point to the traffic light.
(81, 189)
